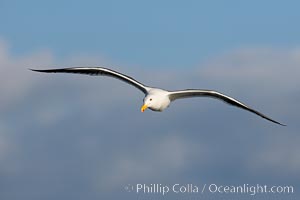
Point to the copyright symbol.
(128, 188)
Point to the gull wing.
(217, 95)
(98, 71)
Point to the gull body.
(157, 99)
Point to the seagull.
(157, 99)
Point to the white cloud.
(273, 69)
(15, 78)
(263, 78)
(8, 147)
(257, 74)
(158, 160)
(277, 156)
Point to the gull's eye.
(150, 99)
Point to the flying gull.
(157, 99)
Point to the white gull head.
(156, 100)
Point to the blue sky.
(148, 34)
(67, 136)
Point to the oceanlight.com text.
(243, 189)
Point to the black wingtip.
(276, 122)
(282, 124)
(35, 70)
(45, 70)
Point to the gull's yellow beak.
(144, 107)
